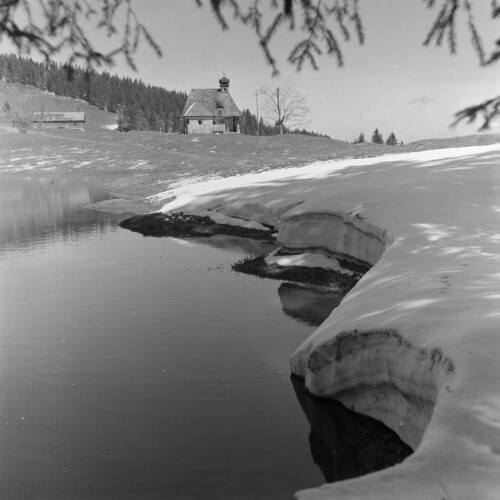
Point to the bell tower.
(224, 83)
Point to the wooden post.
(257, 105)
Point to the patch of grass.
(454, 142)
(26, 99)
(147, 163)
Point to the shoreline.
(182, 225)
(377, 446)
(137, 167)
(404, 345)
(420, 327)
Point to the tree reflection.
(39, 208)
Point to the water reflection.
(36, 208)
(224, 242)
(344, 444)
(307, 304)
(130, 365)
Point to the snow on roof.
(59, 116)
(418, 337)
(197, 109)
(211, 100)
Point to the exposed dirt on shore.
(326, 278)
(181, 225)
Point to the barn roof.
(206, 102)
(59, 116)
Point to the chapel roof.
(209, 101)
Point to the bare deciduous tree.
(50, 26)
(328, 23)
(284, 107)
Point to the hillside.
(24, 100)
(141, 106)
(454, 142)
(140, 164)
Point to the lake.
(145, 368)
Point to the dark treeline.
(248, 125)
(139, 106)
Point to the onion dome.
(224, 81)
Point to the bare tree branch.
(324, 21)
(488, 110)
(63, 24)
(51, 26)
(445, 24)
(319, 19)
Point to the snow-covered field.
(416, 343)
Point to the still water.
(145, 368)
(141, 368)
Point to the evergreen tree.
(138, 106)
(391, 140)
(158, 124)
(103, 90)
(170, 122)
(310, 133)
(263, 130)
(135, 118)
(122, 118)
(360, 139)
(377, 137)
(248, 123)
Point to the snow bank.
(345, 234)
(304, 260)
(110, 126)
(416, 342)
(220, 218)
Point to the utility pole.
(257, 104)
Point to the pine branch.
(443, 25)
(317, 17)
(488, 110)
(63, 25)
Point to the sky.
(391, 82)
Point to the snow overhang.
(416, 342)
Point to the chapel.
(211, 111)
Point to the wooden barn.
(211, 111)
(59, 119)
